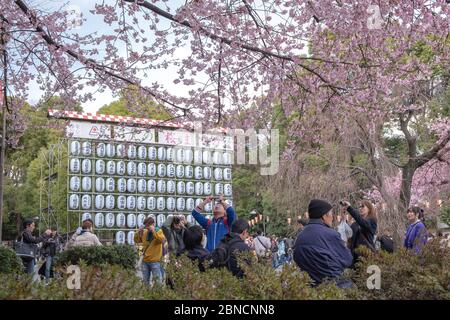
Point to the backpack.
(386, 244)
(220, 257)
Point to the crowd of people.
(324, 244)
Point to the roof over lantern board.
(124, 120)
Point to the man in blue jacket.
(319, 249)
(217, 227)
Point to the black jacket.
(364, 231)
(235, 246)
(29, 238)
(51, 246)
(199, 253)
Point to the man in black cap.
(319, 249)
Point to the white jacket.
(85, 239)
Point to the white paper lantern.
(188, 172)
(99, 184)
(161, 170)
(121, 151)
(218, 174)
(142, 152)
(141, 203)
(207, 173)
(170, 203)
(160, 204)
(170, 170)
(199, 188)
(100, 167)
(217, 157)
(75, 183)
(151, 170)
(131, 203)
(100, 150)
(208, 207)
(110, 185)
(227, 174)
(162, 153)
(180, 155)
(190, 204)
(151, 203)
(180, 171)
(75, 148)
(140, 220)
(131, 220)
(109, 220)
(227, 190)
(152, 153)
(190, 188)
(130, 238)
(74, 201)
(188, 155)
(190, 219)
(120, 237)
(160, 220)
(181, 187)
(86, 202)
(121, 185)
(161, 186)
(198, 173)
(198, 156)
(86, 184)
(230, 202)
(227, 158)
(86, 148)
(181, 204)
(142, 169)
(131, 168)
(207, 159)
(131, 152)
(198, 201)
(218, 189)
(75, 165)
(121, 168)
(86, 216)
(121, 202)
(86, 166)
(99, 202)
(151, 186)
(207, 189)
(170, 154)
(142, 186)
(110, 150)
(99, 220)
(111, 167)
(110, 202)
(131, 185)
(171, 187)
(120, 220)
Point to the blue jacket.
(320, 251)
(416, 236)
(216, 229)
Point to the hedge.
(9, 261)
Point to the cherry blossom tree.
(385, 60)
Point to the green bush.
(9, 261)
(125, 256)
(403, 276)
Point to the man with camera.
(217, 227)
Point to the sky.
(93, 22)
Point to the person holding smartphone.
(365, 226)
(217, 227)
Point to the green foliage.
(9, 261)
(445, 213)
(124, 256)
(403, 276)
(131, 104)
